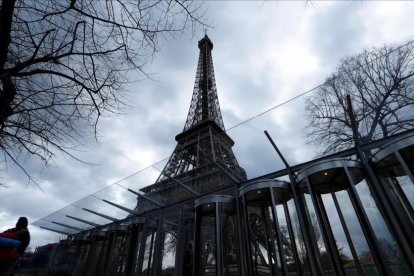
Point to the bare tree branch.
(381, 84)
(63, 66)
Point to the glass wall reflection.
(273, 239)
(395, 166)
(95, 261)
(117, 252)
(342, 248)
(216, 236)
(333, 191)
(134, 237)
(148, 247)
(169, 244)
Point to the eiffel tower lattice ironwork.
(203, 159)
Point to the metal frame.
(357, 204)
(393, 146)
(365, 224)
(265, 183)
(272, 186)
(214, 199)
(329, 240)
(218, 201)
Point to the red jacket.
(8, 253)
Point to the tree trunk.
(8, 90)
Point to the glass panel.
(396, 179)
(134, 245)
(272, 236)
(207, 233)
(357, 236)
(57, 259)
(169, 250)
(94, 266)
(297, 233)
(65, 259)
(118, 254)
(149, 248)
(408, 156)
(386, 242)
(82, 251)
(103, 255)
(261, 252)
(342, 244)
(169, 247)
(316, 231)
(399, 198)
(229, 243)
(262, 238)
(285, 237)
(189, 245)
(406, 185)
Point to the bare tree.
(381, 85)
(63, 65)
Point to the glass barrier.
(274, 245)
(215, 240)
(342, 209)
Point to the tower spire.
(203, 159)
(204, 103)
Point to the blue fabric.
(6, 242)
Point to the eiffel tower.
(203, 159)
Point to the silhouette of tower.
(203, 159)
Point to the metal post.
(292, 239)
(151, 253)
(186, 187)
(411, 176)
(158, 247)
(268, 241)
(100, 214)
(181, 244)
(329, 240)
(241, 252)
(107, 250)
(84, 221)
(247, 247)
(312, 252)
(57, 231)
(67, 226)
(82, 255)
(90, 256)
(406, 205)
(143, 244)
(219, 248)
(197, 228)
(126, 248)
(347, 235)
(132, 212)
(137, 245)
(146, 197)
(365, 224)
(279, 238)
(132, 232)
(396, 224)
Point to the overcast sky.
(264, 54)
